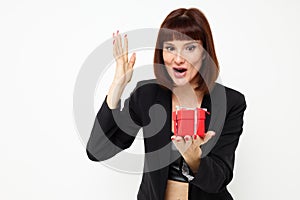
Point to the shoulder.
(149, 86)
(233, 97)
(145, 91)
(149, 82)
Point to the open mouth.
(179, 72)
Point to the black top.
(175, 172)
(115, 130)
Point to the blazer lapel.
(216, 104)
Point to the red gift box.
(189, 121)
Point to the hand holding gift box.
(189, 121)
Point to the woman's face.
(183, 59)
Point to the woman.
(186, 68)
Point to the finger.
(173, 137)
(179, 143)
(208, 136)
(113, 37)
(188, 140)
(197, 140)
(179, 139)
(126, 48)
(119, 44)
(176, 139)
(114, 46)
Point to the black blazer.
(149, 107)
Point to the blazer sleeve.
(216, 169)
(114, 129)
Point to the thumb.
(132, 61)
(209, 135)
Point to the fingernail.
(117, 31)
(113, 34)
(172, 138)
(125, 35)
(114, 42)
(195, 137)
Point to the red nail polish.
(195, 137)
(187, 139)
(172, 138)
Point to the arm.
(216, 169)
(113, 129)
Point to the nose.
(178, 58)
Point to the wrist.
(118, 83)
(193, 156)
(114, 95)
(193, 160)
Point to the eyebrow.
(168, 43)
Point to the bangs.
(181, 28)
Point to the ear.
(204, 55)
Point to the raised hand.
(124, 69)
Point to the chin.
(180, 82)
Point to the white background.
(43, 45)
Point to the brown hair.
(187, 24)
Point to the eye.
(169, 48)
(190, 47)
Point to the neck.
(187, 96)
